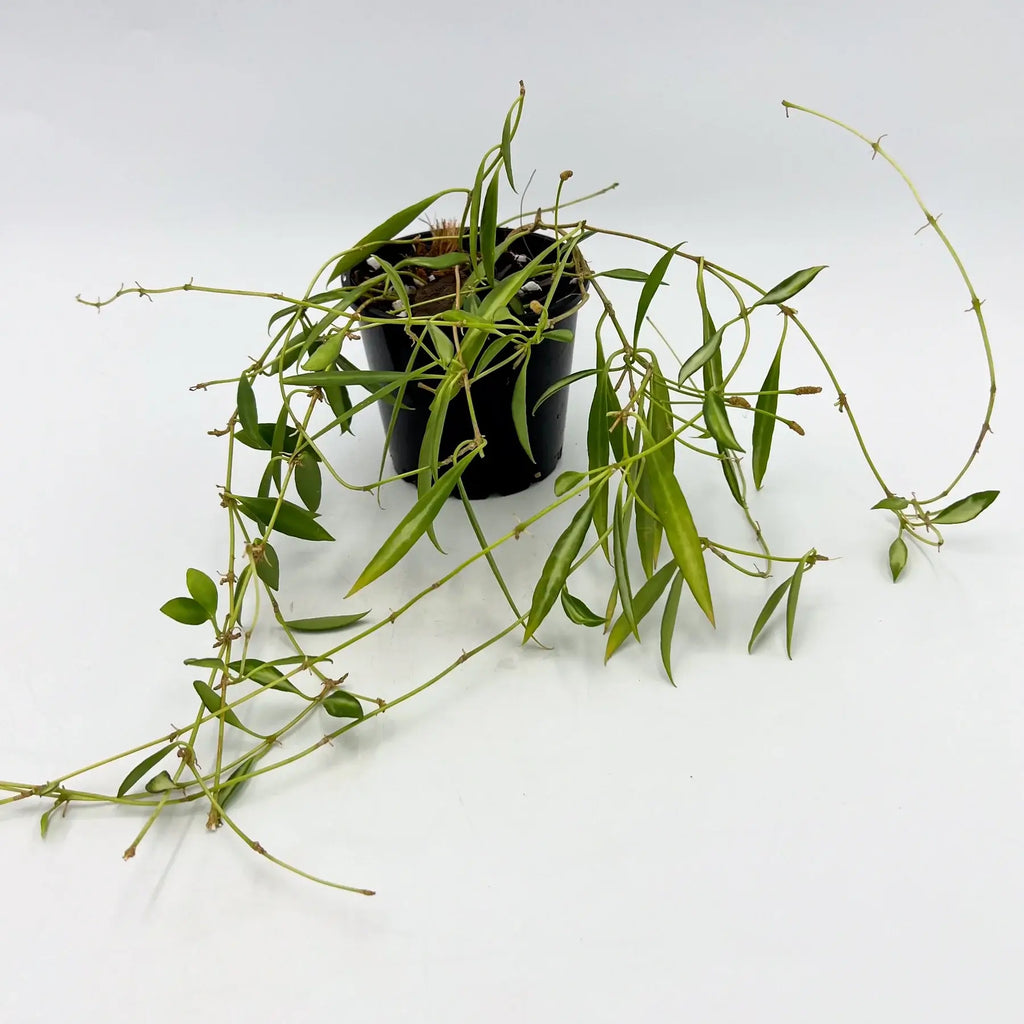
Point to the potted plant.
(468, 325)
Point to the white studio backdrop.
(833, 838)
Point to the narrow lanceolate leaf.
(787, 289)
(324, 623)
(160, 783)
(327, 352)
(578, 612)
(671, 508)
(556, 568)
(369, 379)
(265, 674)
(186, 610)
(508, 132)
(766, 612)
(598, 443)
(716, 419)
(203, 590)
(897, 557)
(339, 704)
(444, 347)
(563, 383)
(649, 289)
(413, 525)
(620, 534)
(519, 410)
(697, 360)
(644, 600)
(44, 821)
(230, 788)
(268, 568)
(213, 703)
(142, 767)
(647, 527)
(290, 519)
(307, 480)
(566, 481)
(668, 624)
(964, 510)
(489, 225)
(627, 274)
(248, 417)
(383, 232)
(894, 504)
(764, 420)
(792, 598)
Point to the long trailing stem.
(931, 221)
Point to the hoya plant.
(469, 324)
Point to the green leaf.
(668, 623)
(323, 623)
(508, 132)
(443, 262)
(307, 480)
(716, 419)
(384, 232)
(644, 600)
(648, 527)
(563, 383)
(264, 674)
(203, 589)
(897, 557)
(696, 360)
(764, 419)
(142, 767)
(369, 379)
(964, 510)
(766, 612)
(578, 612)
(216, 663)
(185, 610)
(443, 345)
(566, 481)
(44, 821)
(894, 504)
(620, 533)
(559, 335)
(341, 405)
(598, 441)
(649, 290)
(268, 568)
(791, 600)
(339, 704)
(160, 783)
(413, 525)
(229, 788)
(489, 225)
(327, 352)
(787, 289)
(213, 703)
(557, 566)
(291, 520)
(628, 274)
(669, 505)
(248, 418)
(519, 410)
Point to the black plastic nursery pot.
(505, 468)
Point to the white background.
(834, 838)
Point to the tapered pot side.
(505, 467)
